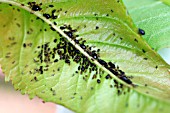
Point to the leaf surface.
(43, 58)
(153, 16)
(166, 2)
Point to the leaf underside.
(41, 61)
(154, 17)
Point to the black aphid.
(79, 68)
(24, 45)
(98, 81)
(111, 65)
(143, 51)
(97, 27)
(76, 41)
(115, 82)
(69, 33)
(62, 27)
(121, 72)
(55, 40)
(156, 67)
(125, 79)
(55, 23)
(135, 40)
(82, 46)
(35, 78)
(51, 6)
(95, 14)
(41, 69)
(47, 16)
(145, 58)
(56, 60)
(52, 28)
(36, 8)
(141, 31)
(67, 61)
(77, 51)
(94, 55)
(113, 71)
(53, 11)
(102, 62)
(54, 17)
(108, 76)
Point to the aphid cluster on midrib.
(65, 51)
(95, 54)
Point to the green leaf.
(166, 2)
(32, 44)
(153, 16)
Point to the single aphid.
(82, 46)
(111, 65)
(69, 33)
(125, 79)
(36, 8)
(98, 81)
(141, 31)
(47, 16)
(102, 62)
(107, 76)
(55, 40)
(51, 6)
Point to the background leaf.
(27, 58)
(154, 17)
(166, 2)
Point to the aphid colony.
(68, 52)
